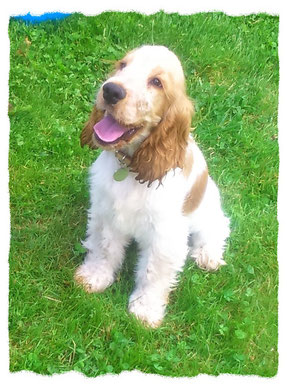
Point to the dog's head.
(143, 106)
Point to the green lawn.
(223, 322)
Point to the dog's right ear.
(88, 130)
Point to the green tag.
(121, 174)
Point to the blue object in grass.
(28, 18)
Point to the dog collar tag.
(121, 174)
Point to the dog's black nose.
(113, 92)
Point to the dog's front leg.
(162, 257)
(106, 248)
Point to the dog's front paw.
(149, 310)
(93, 277)
(207, 259)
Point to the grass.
(224, 322)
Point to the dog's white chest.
(124, 202)
(133, 207)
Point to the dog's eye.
(156, 82)
(122, 65)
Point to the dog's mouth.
(109, 132)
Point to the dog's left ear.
(86, 137)
(164, 149)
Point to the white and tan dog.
(150, 183)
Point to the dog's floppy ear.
(164, 149)
(86, 137)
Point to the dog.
(150, 183)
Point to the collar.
(123, 158)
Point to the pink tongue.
(108, 130)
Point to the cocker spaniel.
(150, 183)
